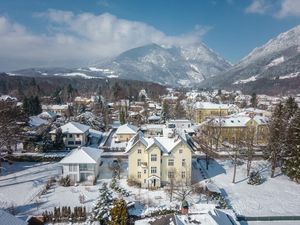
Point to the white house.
(82, 164)
(75, 134)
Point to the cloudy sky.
(79, 32)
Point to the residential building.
(60, 110)
(82, 164)
(204, 110)
(125, 132)
(75, 134)
(157, 161)
(231, 129)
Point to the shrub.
(255, 178)
(65, 181)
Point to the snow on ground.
(275, 62)
(274, 197)
(270, 223)
(250, 79)
(21, 182)
(291, 75)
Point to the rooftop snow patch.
(127, 129)
(82, 155)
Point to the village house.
(75, 134)
(60, 110)
(82, 164)
(125, 132)
(204, 110)
(158, 161)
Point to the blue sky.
(49, 32)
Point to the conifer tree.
(119, 213)
(291, 159)
(253, 100)
(290, 108)
(165, 111)
(276, 137)
(101, 210)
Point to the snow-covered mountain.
(167, 65)
(174, 66)
(275, 61)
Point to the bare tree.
(249, 136)
(12, 119)
(172, 183)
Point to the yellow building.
(125, 132)
(235, 128)
(154, 162)
(204, 110)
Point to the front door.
(154, 183)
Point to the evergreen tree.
(253, 100)
(179, 111)
(122, 116)
(290, 107)
(59, 141)
(32, 106)
(165, 111)
(119, 213)
(291, 159)
(101, 210)
(277, 136)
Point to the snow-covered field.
(21, 182)
(274, 197)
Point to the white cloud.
(258, 6)
(277, 8)
(76, 39)
(289, 8)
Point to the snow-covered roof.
(35, 121)
(47, 114)
(154, 117)
(127, 129)
(8, 219)
(7, 98)
(73, 128)
(238, 121)
(82, 155)
(55, 107)
(210, 105)
(165, 144)
(211, 217)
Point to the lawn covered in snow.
(274, 197)
(21, 182)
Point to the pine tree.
(165, 111)
(277, 136)
(119, 213)
(291, 159)
(253, 100)
(290, 108)
(101, 210)
(122, 116)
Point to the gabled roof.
(165, 144)
(127, 129)
(211, 105)
(211, 217)
(8, 219)
(82, 155)
(73, 128)
(48, 114)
